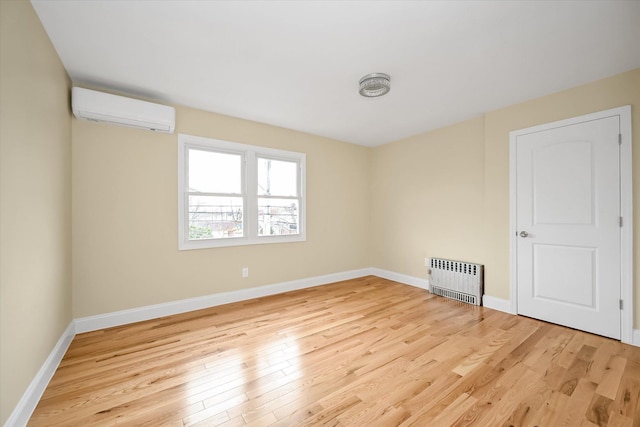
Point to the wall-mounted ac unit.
(107, 108)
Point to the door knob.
(523, 234)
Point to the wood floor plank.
(610, 382)
(367, 351)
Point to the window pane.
(277, 178)
(277, 217)
(211, 172)
(215, 217)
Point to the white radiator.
(458, 280)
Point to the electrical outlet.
(245, 272)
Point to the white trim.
(626, 211)
(139, 314)
(636, 338)
(402, 278)
(29, 400)
(513, 219)
(123, 317)
(495, 303)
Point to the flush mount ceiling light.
(375, 84)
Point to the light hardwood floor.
(364, 352)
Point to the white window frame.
(250, 154)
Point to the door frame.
(626, 211)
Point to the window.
(234, 194)
(278, 204)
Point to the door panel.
(568, 209)
(578, 284)
(563, 183)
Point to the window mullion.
(251, 191)
(279, 197)
(199, 193)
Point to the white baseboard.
(487, 300)
(123, 317)
(497, 303)
(118, 318)
(418, 282)
(636, 338)
(27, 404)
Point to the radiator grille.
(457, 280)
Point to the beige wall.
(35, 200)
(125, 227)
(427, 195)
(446, 193)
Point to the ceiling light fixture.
(374, 85)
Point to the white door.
(568, 225)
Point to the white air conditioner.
(103, 107)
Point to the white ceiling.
(297, 64)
